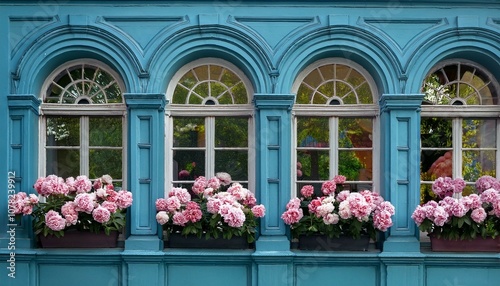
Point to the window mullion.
(457, 147)
(334, 146)
(84, 146)
(497, 173)
(210, 146)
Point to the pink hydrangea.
(314, 204)
(328, 187)
(181, 193)
(161, 204)
(54, 221)
(213, 183)
(478, 215)
(52, 185)
(293, 204)
(192, 212)
(342, 195)
(124, 199)
(331, 219)
(250, 200)
(307, 191)
(446, 186)
(199, 185)
(339, 179)
(234, 217)
(179, 219)
(259, 210)
(419, 215)
(110, 206)
(292, 215)
(224, 178)
(82, 184)
(382, 220)
(487, 182)
(162, 217)
(85, 202)
(490, 196)
(213, 205)
(238, 191)
(101, 215)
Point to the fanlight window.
(84, 84)
(210, 85)
(460, 83)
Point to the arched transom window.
(209, 123)
(84, 121)
(334, 119)
(460, 126)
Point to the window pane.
(312, 132)
(189, 132)
(436, 163)
(352, 167)
(479, 133)
(355, 132)
(234, 163)
(102, 162)
(105, 131)
(314, 165)
(231, 132)
(436, 132)
(63, 131)
(64, 163)
(477, 164)
(188, 165)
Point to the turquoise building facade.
(145, 43)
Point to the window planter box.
(80, 239)
(176, 240)
(324, 243)
(478, 244)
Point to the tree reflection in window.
(455, 145)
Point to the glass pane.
(114, 94)
(436, 132)
(478, 163)
(479, 133)
(327, 89)
(189, 132)
(355, 78)
(102, 162)
(321, 98)
(105, 131)
(180, 95)
(199, 93)
(304, 94)
(201, 73)
(313, 79)
(63, 131)
(231, 132)
(64, 163)
(239, 93)
(364, 94)
(353, 167)
(312, 132)
(355, 132)
(216, 89)
(341, 89)
(188, 80)
(435, 164)
(314, 165)
(235, 163)
(188, 165)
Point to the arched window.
(209, 123)
(83, 121)
(335, 119)
(460, 126)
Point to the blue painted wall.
(146, 42)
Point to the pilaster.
(145, 161)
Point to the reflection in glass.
(63, 131)
(188, 165)
(105, 131)
(231, 132)
(189, 132)
(105, 162)
(312, 132)
(479, 133)
(63, 162)
(233, 162)
(478, 163)
(314, 165)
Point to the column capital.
(145, 100)
(274, 101)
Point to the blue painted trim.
(146, 151)
(23, 148)
(400, 165)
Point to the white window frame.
(334, 112)
(84, 112)
(459, 112)
(209, 112)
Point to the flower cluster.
(337, 212)
(461, 218)
(74, 204)
(446, 186)
(215, 207)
